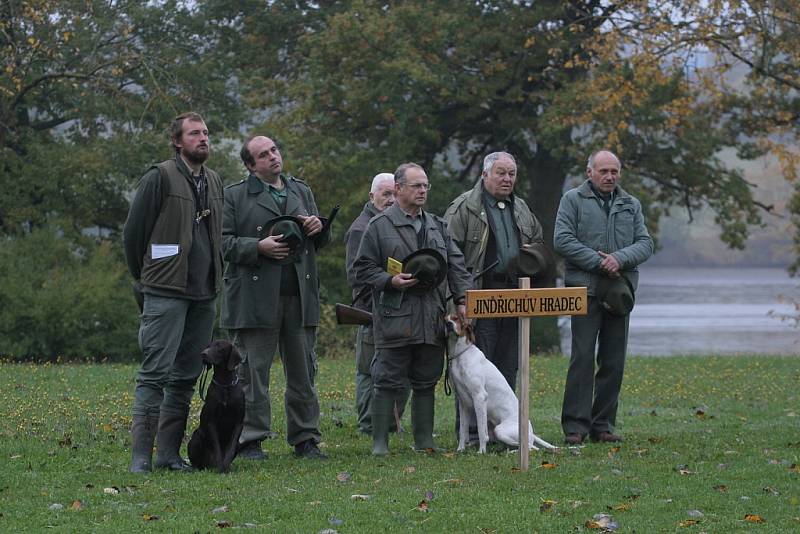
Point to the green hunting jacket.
(401, 318)
(163, 211)
(468, 224)
(252, 283)
(583, 228)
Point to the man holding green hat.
(601, 234)
(409, 260)
(271, 233)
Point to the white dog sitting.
(481, 387)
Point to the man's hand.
(461, 314)
(272, 247)
(609, 264)
(311, 224)
(403, 281)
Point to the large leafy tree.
(374, 83)
(86, 90)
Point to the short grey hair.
(593, 155)
(400, 173)
(379, 178)
(491, 159)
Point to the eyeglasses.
(418, 187)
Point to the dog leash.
(203, 380)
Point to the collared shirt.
(278, 195)
(501, 220)
(415, 220)
(606, 199)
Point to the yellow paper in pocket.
(393, 266)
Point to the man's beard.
(195, 156)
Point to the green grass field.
(712, 444)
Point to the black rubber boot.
(143, 432)
(171, 428)
(382, 416)
(422, 421)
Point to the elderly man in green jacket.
(408, 309)
(271, 294)
(601, 234)
(490, 224)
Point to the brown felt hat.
(536, 261)
(428, 266)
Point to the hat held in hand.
(535, 260)
(426, 265)
(616, 295)
(291, 228)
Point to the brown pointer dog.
(214, 442)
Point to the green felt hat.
(428, 266)
(292, 230)
(616, 295)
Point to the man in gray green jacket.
(172, 240)
(408, 322)
(601, 234)
(271, 296)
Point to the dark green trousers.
(172, 333)
(596, 366)
(365, 351)
(296, 345)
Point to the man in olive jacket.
(271, 296)
(600, 232)
(381, 196)
(172, 240)
(490, 224)
(408, 324)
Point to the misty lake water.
(712, 311)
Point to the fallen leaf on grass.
(423, 506)
(359, 497)
(624, 507)
(224, 523)
(771, 491)
(688, 523)
(548, 465)
(684, 470)
(16, 456)
(794, 468)
(76, 505)
(113, 490)
(654, 440)
(602, 522)
(343, 477)
(148, 517)
(547, 505)
(56, 506)
(409, 469)
(700, 414)
(722, 488)
(449, 455)
(753, 518)
(220, 510)
(613, 451)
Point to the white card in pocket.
(163, 251)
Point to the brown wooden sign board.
(526, 302)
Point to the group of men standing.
(403, 263)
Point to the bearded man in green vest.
(172, 240)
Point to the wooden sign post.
(525, 303)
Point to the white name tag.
(163, 251)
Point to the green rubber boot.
(382, 405)
(171, 427)
(143, 432)
(422, 421)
